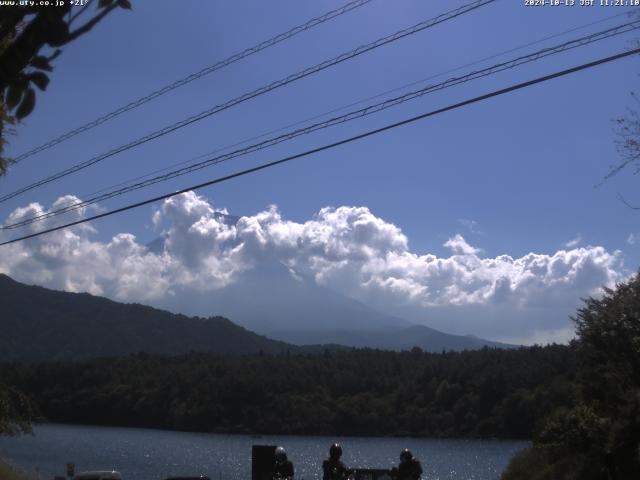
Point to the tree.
(628, 141)
(627, 131)
(25, 31)
(609, 349)
(609, 335)
(16, 411)
(599, 435)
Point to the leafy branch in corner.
(25, 31)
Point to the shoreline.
(258, 436)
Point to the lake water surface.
(144, 454)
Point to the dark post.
(262, 458)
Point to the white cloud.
(347, 249)
(632, 239)
(574, 242)
(460, 246)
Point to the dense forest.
(488, 393)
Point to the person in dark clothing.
(333, 468)
(409, 468)
(282, 467)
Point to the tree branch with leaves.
(25, 32)
(627, 141)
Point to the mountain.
(38, 323)
(273, 301)
(270, 298)
(428, 339)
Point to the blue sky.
(512, 175)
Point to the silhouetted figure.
(282, 467)
(409, 468)
(333, 468)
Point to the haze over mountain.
(270, 298)
(274, 301)
(38, 324)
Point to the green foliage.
(27, 103)
(16, 411)
(39, 79)
(539, 464)
(598, 436)
(356, 392)
(609, 337)
(25, 30)
(7, 121)
(574, 429)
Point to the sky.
(485, 220)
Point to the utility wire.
(272, 86)
(374, 108)
(194, 76)
(338, 109)
(345, 141)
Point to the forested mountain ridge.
(38, 323)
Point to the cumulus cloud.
(347, 249)
(632, 239)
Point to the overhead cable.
(374, 108)
(194, 76)
(345, 141)
(272, 86)
(341, 108)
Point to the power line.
(343, 107)
(272, 86)
(375, 108)
(338, 143)
(194, 76)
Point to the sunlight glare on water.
(145, 454)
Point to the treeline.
(484, 393)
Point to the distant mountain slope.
(37, 323)
(289, 306)
(279, 301)
(426, 338)
(299, 311)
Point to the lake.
(145, 454)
